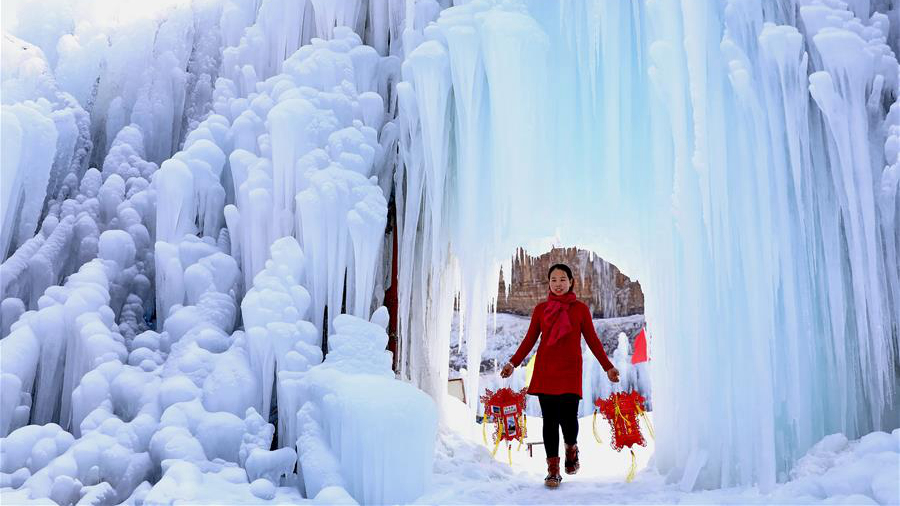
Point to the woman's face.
(559, 282)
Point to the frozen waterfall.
(199, 200)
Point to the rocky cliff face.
(599, 284)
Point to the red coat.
(557, 369)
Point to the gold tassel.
(484, 422)
(499, 437)
(631, 471)
(524, 433)
(509, 451)
(646, 420)
(649, 426)
(618, 413)
(594, 426)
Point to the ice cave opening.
(616, 306)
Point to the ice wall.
(46, 138)
(126, 90)
(75, 78)
(738, 158)
(347, 416)
(176, 403)
(281, 341)
(355, 418)
(303, 153)
(118, 198)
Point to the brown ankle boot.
(572, 463)
(553, 477)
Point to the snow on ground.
(834, 471)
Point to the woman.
(556, 379)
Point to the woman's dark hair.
(565, 268)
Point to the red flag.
(640, 348)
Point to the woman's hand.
(507, 370)
(613, 375)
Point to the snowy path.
(465, 473)
(835, 471)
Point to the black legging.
(559, 411)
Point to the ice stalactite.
(445, 99)
(37, 111)
(282, 343)
(72, 331)
(119, 198)
(301, 143)
(129, 81)
(744, 160)
(192, 199)
(154, 71)
(184, 393)
(303, 165)
(75, 220)
(420, 356)
(281, 27)
(26, 170)
(323, 405)
(475, 268)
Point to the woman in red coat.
(561, 320)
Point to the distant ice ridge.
(744, 171)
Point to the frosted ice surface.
(28, 158)
(355, 412)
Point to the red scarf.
(556, 316)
